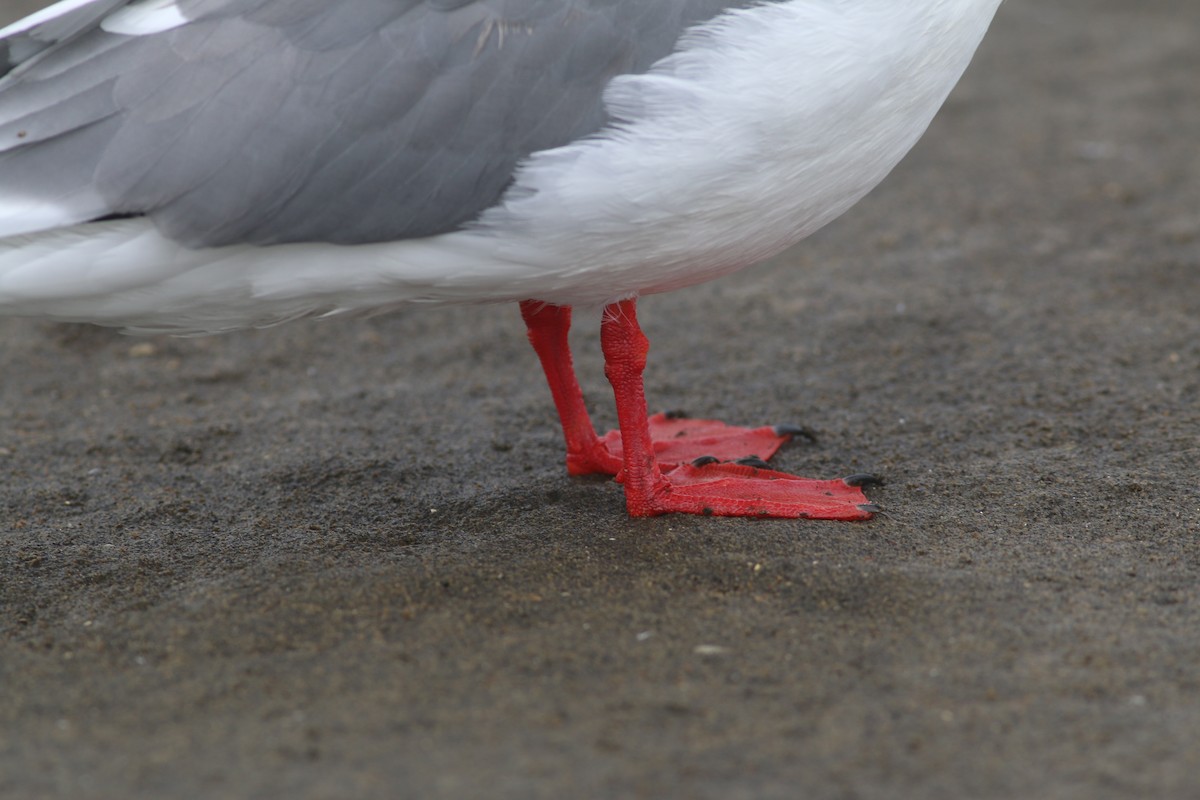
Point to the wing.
(271, 121)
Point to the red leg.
(676, 440)
(548, 326)
(725, 489)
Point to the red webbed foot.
(679, 439)
(732, 489)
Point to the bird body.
(764, 123)
(208, 165)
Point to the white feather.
(144, 17)
(20, 215)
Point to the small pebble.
(710, 650)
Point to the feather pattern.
(273, 121)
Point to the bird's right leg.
(707, 486)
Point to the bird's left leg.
(548, 326)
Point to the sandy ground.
(342, 559)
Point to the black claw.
(753, 461)
(863, 479)
(870, 508)
(796, 430)
(675, 413)
(704, 461)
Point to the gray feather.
(270, 121)
(22, 47)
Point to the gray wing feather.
(33, 39)
(270, 121)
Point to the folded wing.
(272, 121)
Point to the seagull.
(203, 166)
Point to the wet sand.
(343, 559)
